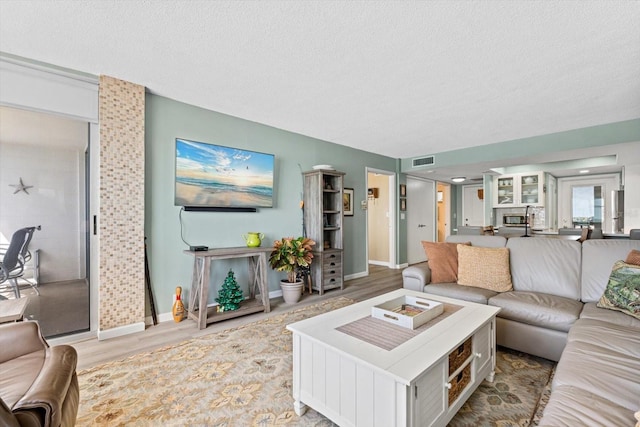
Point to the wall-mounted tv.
(213, 176)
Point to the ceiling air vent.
(423, 161)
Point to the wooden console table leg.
(195, 288)
(204, 292)
(253, 267)
(261, 274)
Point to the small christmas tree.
(230, 296)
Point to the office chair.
(15, 258)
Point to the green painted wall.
(612, 133)
(167, 119)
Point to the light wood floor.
(92, 352)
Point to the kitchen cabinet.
(519, 190)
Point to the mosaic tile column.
(121, 219)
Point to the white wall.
(56, 202)
(631, 197)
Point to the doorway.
(584, 201)
(444, 211)
(421, 217)
(381, 235)
(48, 153)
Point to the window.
(587, 206)
(584, 201)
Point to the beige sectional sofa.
(551, 312)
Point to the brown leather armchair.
(38, 383)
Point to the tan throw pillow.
(486, 268)
(443, 261)
(623, 290)
(633, 257)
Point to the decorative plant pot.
(291, 292)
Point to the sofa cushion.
(591, 311)
(624, 340)
(623, 290)
(7, 419)
(597, 258)
(538, 309)
(550, 266)
(442, 258)
(604, 359)
(19, 374)
(466, 293)
(572, 406)
(486, 268)
(633, 257)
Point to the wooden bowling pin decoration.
(178, 306)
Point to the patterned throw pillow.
(633, 257)
(623, 290)
(486, 268)
(443, 261)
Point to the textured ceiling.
(396, 78)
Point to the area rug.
(514, 397)
(242, 377)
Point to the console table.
(199, 294)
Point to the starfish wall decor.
(21, 187)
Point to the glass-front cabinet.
(505, 191)
(530, 189)
(519, 190)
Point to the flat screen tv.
(213, 176)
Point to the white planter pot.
(291, 292)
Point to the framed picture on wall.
(403, 204)
(347, 201)
(403, 190)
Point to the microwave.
(513, 220)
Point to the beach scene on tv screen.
(213, 175)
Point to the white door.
(472, 206)
(421, 217)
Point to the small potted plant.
(288, 255)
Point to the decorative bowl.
(323, 167)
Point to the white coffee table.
(355, 383)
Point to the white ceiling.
(397, 78)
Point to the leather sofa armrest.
(6, 416)
(20, 338)
(49, 390)
(415, 278)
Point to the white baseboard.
(69, 339)
(387, 264)
(120, 331)
(355, 275)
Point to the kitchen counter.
(519, 231)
